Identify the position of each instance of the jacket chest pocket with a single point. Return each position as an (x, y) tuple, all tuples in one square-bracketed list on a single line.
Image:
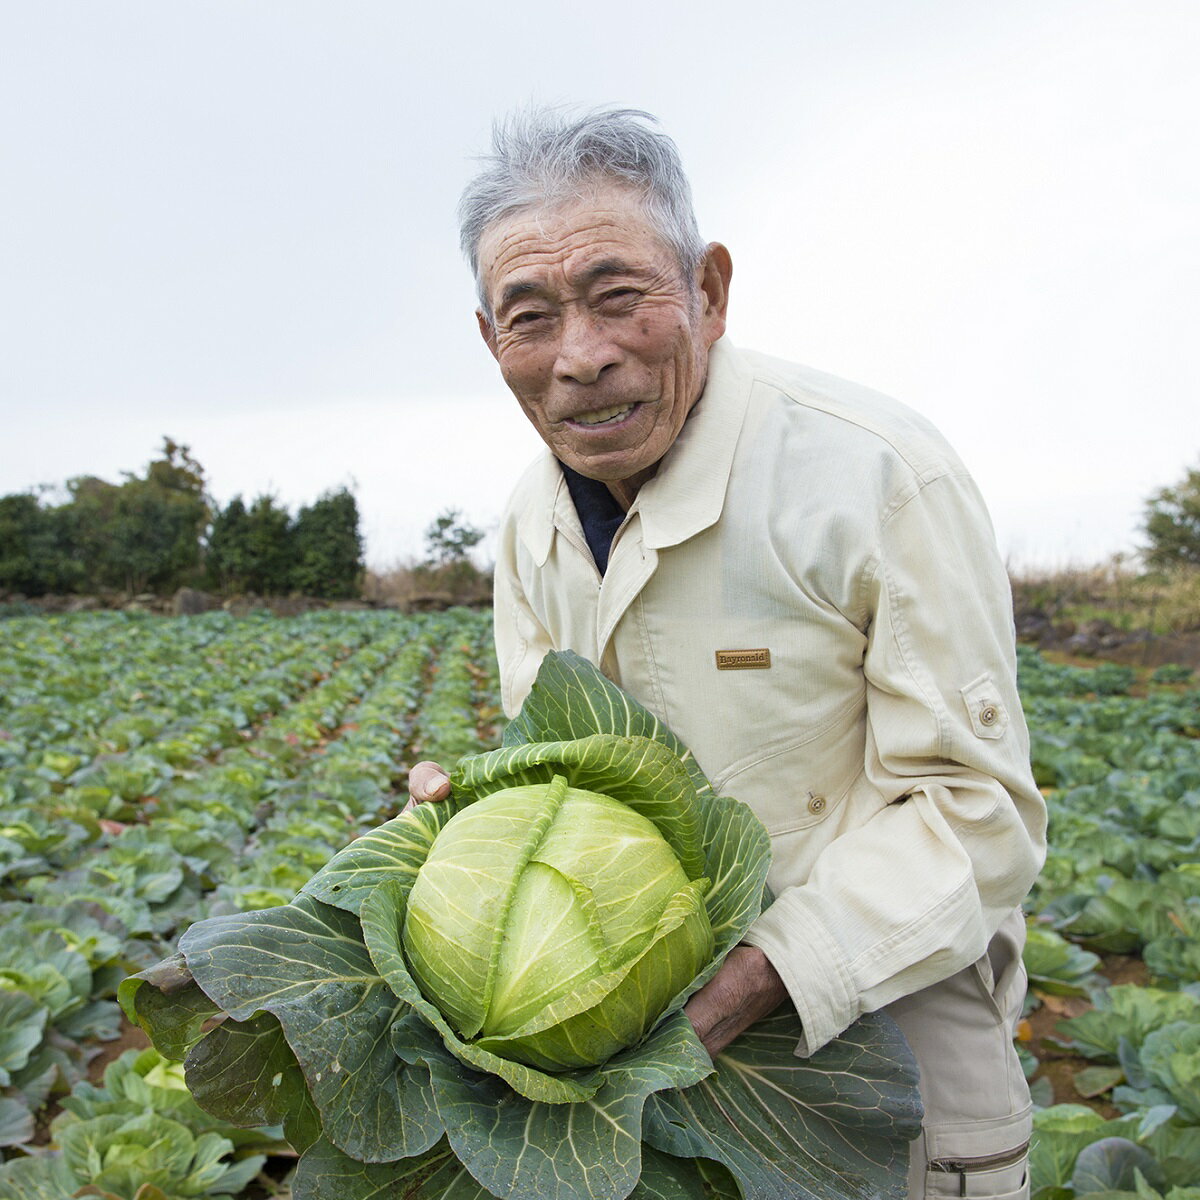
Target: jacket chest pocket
[(801, 780)]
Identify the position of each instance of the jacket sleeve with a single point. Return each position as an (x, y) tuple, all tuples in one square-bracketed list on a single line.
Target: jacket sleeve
[(915, 894)]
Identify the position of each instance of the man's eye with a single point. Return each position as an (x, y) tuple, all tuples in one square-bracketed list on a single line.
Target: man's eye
[(526, 318), (620, 295)]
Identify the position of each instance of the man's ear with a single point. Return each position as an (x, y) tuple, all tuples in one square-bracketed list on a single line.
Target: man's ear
[(487, 331), (713, 276)]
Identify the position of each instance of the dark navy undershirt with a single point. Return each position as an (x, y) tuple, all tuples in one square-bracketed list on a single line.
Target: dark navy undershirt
[(599, 513)]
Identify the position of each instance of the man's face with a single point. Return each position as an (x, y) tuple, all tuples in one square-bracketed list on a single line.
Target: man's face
[(597, 331)]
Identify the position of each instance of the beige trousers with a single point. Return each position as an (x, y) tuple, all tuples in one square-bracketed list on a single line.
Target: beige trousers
[(978, 1115)]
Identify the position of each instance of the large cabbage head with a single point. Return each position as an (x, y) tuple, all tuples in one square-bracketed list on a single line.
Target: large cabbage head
[(554, 925)]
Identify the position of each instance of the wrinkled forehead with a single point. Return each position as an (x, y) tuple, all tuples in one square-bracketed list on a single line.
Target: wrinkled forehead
[(568, 237)]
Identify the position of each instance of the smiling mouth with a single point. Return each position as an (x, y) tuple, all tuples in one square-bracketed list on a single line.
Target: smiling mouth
[(604, 416)]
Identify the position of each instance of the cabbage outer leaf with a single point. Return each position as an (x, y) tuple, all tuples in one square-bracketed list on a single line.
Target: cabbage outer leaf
[(831, 1127), (737, 858), (664, 1177), (245, 1073), (326, 1173), (571, 699), (169, 1005), (306, 964), (22, 1027), (16, 1122), (522, 1149), (394, 850), (1112, 1165), (46, 1177)]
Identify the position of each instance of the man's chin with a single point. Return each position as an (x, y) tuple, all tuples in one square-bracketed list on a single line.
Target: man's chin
[(622, 480), (597, 469)]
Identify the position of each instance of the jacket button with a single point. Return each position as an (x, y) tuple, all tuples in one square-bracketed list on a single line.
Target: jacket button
[(816, 804), (989, 714)]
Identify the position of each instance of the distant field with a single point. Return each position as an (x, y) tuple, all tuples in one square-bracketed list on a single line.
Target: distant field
[(157, 771)]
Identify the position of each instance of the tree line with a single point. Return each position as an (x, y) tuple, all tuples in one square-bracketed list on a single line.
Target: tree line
[(161, 531)]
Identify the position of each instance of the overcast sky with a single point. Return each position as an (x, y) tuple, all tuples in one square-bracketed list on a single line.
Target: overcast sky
[(233, 224)]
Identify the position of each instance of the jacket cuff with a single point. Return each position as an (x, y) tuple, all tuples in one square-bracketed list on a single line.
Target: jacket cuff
[(812, 968)]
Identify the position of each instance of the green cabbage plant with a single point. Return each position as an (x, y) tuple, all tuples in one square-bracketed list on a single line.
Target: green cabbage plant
[(484, 997), (122, 1156)]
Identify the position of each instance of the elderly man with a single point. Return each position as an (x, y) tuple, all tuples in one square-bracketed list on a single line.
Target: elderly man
[(799, 577)]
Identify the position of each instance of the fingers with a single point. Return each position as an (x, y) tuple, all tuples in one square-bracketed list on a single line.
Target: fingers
[(709, 1011), (427, 781), (745, 989), (703, 1016)]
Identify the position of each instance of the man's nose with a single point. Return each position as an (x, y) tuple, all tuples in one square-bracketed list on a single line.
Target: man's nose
[(585, 349)]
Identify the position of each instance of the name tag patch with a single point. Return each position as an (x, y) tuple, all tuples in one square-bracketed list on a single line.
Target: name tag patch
[(743, 660)]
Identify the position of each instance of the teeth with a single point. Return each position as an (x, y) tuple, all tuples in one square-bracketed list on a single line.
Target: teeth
[(605, 414)]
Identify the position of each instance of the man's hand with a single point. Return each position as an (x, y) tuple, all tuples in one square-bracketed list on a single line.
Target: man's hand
[(745, 989), (427, 781)]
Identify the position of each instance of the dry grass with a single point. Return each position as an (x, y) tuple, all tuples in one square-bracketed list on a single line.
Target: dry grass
[(1160, 602), (1164, 603), (414, 587)]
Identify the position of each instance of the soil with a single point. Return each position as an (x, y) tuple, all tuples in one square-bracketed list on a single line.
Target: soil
[(1101, 641), (1182, 648), (131, 1038), (1060, 1066)]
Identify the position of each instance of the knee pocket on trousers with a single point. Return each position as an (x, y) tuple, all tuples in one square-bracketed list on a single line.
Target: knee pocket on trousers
[(985, 1160), (1009, 1182)]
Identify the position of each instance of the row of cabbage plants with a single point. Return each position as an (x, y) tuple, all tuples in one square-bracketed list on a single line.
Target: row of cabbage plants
[(158, 771), (97, 883), (1118, 759)]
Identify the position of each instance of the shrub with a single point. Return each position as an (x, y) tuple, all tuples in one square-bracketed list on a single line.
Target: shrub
[(1172, 523)]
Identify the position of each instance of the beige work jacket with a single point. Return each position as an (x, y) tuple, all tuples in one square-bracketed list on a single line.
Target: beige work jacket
[(884, 746)]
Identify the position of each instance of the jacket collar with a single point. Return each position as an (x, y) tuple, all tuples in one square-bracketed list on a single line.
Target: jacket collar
[(686, 494)]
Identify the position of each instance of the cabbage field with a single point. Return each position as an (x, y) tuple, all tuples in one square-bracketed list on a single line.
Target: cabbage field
[(159, 771)]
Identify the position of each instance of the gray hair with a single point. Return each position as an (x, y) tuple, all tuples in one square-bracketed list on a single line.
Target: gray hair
[(541, 156)]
